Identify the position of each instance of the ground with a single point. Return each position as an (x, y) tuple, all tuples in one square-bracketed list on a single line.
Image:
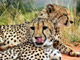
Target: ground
[(65, 57)]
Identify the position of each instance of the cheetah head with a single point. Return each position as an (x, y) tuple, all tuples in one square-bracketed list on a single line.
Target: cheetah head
[(42, 31), (59, 13)]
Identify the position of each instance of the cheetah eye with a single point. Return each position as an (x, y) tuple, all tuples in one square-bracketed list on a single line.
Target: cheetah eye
[(33, 28), (45, 27)]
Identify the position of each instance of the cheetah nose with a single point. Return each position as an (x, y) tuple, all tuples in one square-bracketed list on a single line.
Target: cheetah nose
[(36, 37)]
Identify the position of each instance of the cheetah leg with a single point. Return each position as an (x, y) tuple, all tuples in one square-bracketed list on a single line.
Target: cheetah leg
[(65, 49), (55, 55)]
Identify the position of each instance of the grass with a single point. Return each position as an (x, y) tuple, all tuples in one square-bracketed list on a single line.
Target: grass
[(7, 19), (18, 15)]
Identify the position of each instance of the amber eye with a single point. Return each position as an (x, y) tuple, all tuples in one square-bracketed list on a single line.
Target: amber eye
[(45, 27), (33, 28)]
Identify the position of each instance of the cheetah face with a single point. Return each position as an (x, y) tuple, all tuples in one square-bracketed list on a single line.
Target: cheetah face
[(41, 32), (59, 13)]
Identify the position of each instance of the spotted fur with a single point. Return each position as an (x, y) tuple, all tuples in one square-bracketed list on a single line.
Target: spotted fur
[(30, 51), (12, 35)]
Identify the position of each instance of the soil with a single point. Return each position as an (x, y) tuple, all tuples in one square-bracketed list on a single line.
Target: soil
[(66, 57)]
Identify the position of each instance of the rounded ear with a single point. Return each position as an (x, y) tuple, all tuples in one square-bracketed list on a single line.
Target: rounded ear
[(50, 8)]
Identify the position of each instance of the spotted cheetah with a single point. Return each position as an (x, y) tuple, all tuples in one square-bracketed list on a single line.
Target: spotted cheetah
[(42, 35)]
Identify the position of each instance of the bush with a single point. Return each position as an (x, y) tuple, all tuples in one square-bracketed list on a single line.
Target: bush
[(78, 6)]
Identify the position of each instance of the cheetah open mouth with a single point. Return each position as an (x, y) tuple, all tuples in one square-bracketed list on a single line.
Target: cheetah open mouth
[(39, 41)]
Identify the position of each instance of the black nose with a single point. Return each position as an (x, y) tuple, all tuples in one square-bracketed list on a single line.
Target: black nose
[(71, 22), (36, 37)]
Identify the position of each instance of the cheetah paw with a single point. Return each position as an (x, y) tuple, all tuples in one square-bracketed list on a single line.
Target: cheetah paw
[(55, 55)]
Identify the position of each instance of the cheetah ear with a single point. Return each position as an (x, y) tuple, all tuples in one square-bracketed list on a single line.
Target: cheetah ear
[(50, 8)]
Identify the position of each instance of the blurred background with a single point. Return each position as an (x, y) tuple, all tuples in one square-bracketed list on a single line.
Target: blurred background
[(17, 11)]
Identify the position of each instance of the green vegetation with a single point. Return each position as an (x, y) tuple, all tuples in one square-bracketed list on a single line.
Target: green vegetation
[(16, 12)]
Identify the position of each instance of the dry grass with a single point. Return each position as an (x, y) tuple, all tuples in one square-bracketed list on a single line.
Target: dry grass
[(72, 33)]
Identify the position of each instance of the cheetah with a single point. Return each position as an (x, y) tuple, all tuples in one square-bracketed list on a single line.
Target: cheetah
[(42, 35)]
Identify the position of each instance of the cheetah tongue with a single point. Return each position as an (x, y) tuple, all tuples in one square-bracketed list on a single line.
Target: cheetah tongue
[(39, 40)]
